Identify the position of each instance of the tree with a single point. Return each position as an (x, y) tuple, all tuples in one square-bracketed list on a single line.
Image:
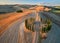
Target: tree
[(19, 11)]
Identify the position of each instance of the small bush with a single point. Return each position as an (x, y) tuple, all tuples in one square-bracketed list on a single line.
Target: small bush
[(29, 24), (19, 11)]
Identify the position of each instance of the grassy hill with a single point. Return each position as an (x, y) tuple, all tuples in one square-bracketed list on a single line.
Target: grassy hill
[(56, 10)]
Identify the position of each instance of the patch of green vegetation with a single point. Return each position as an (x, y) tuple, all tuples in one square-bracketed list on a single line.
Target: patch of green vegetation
[(19, 11), (29, 24), (48, 27), (55, 10)]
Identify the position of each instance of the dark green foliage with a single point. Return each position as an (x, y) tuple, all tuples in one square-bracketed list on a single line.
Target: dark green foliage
[(32, 28), (43, 29), (48, 27), (19, 11)]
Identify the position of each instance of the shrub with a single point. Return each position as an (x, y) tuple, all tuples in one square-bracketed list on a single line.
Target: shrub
[(29, 24), (19, 11)]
